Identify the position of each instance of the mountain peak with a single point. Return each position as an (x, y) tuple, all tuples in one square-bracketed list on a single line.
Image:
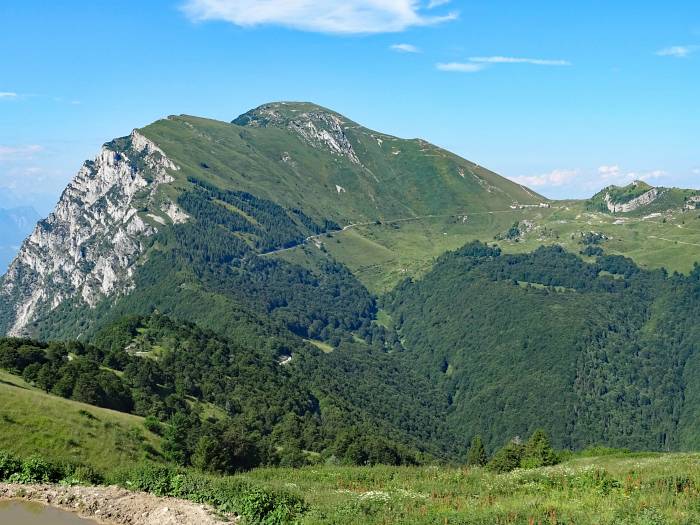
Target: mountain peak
[(280, 114)]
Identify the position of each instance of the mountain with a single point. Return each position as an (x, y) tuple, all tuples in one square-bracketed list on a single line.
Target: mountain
[(640, 197), (326, 291), (15, 225), (185, 197)]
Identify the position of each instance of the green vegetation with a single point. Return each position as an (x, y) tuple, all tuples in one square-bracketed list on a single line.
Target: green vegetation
[(67, 431), (227, 495), (226, 407), (612, 490), (591, 352)]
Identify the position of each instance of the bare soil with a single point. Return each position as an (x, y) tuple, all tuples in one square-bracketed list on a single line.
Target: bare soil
[(116, 506)]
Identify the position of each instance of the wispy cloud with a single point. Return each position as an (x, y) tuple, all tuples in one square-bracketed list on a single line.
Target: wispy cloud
[(613, 174), (518, 60), (475, 64), (677, 51), (586, 182), (609, 171), (437, 3), (460, 67), (557, 177), (19, 152), (8, 94), (329, 16), (404, 48)]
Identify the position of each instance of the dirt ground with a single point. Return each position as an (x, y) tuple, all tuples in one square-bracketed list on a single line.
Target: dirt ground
[(116, 506)]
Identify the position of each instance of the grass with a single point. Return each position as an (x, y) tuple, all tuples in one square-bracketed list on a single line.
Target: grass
[(649, 489), (35, 422), (324, 347), (382, 255)]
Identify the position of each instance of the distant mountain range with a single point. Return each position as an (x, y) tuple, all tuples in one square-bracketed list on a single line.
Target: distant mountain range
[(15, 225)]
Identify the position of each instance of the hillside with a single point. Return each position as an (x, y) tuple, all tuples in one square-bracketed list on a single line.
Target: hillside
[(36, 422), (599, 352), (288, 405), (639, 197)]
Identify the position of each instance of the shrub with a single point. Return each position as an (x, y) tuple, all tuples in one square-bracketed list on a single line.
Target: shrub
[(36, 469), (255, 504), (508, 458), (477, 454), (153, 425), (9, 465), (538, 452)]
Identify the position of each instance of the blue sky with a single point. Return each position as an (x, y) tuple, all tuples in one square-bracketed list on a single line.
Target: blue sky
[(563, 96)]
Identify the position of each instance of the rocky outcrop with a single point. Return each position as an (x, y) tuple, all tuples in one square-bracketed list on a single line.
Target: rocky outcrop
[(644, 199), (316, 126), (88, 246)]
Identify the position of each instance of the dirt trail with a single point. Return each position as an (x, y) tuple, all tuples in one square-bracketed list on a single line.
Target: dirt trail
[(116, 506)]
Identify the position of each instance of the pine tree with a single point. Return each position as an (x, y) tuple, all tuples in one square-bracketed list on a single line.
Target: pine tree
[(477, 454), (508, 458), (538, 451)]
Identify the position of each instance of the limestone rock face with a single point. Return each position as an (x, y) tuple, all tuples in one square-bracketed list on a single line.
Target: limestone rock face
[(86, 249), (644, 199)]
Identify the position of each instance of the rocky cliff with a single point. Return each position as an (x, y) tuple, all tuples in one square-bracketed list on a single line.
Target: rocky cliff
[(88, 246), (625, 207)]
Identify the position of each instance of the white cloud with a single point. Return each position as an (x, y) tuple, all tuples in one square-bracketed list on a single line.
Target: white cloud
[(609, 171), (437, 3), (516, 60), (613, 174), (557, 177), (404, 48), (19, 152), (323, 16), (460, 67), (7, 94), (677, 51)]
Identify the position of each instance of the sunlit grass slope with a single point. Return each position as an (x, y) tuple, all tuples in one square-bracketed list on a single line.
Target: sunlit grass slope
[(34, 422)]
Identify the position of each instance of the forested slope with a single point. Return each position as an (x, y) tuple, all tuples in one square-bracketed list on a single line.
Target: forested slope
[(593, 353)]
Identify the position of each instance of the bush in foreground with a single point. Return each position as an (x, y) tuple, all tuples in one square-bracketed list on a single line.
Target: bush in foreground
[(226, 494), (230, 495)]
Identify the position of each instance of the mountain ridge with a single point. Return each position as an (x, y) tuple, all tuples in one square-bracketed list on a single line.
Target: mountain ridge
[(311, 164)]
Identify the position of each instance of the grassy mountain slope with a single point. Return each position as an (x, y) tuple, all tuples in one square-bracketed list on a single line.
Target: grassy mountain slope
[(36, 422), (265, 153)]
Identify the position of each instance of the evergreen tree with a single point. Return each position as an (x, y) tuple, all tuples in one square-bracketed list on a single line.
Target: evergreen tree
[(508, 458), (477, 454), (538, 451)]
